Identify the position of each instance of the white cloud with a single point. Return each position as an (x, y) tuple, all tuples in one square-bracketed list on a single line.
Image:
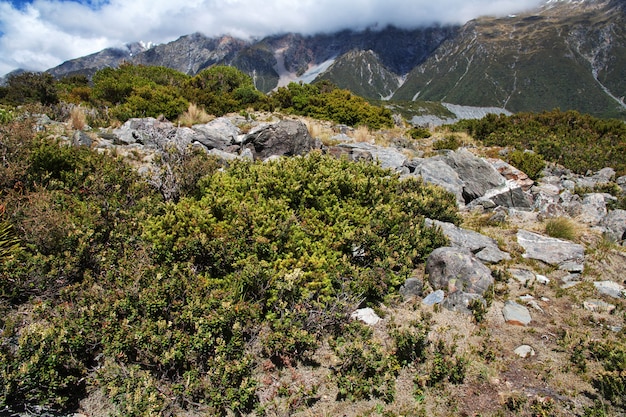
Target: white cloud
[(45, 33)]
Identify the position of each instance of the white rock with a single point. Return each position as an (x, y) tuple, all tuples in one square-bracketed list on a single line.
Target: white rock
[(524, 351), (366, 315)]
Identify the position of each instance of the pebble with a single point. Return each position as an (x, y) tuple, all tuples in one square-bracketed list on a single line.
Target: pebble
[(524, 351)]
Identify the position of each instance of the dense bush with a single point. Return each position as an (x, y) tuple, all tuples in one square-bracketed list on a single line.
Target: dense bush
[(324, 101), (273, 254), (577, 141)]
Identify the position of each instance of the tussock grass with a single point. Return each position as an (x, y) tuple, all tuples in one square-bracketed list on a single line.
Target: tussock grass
[(194, 115), (362, 134), (78, 118), (561, 228)]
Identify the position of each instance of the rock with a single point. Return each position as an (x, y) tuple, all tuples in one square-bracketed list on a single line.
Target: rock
[(217, 134), (524, 351), (523, 276), (459, 301), (542, 279), (604, 175), (145, 131), (485, 248), (457, 269), (80, 138), (435, 297), (366, 315), (508, 195), (477, 174), (511, 173), (610, 288), (615, 224), (387, 157), (516, 314), (412, 287), (350, 153), (287, 137), (598, 306), (566, 255), (436, 171), (593, 209)]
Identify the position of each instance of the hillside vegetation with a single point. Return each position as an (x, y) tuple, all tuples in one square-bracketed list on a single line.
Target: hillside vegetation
[(234, 298)]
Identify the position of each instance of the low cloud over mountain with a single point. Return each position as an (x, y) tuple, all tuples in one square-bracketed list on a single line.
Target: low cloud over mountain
[(40, 34)]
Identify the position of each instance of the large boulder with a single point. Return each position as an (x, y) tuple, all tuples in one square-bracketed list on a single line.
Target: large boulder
[(217, 134), (477, 174), (386, 157), (146, 131), (435, 171), (615, 225), (287, 137), (566, 255), (455, 269)]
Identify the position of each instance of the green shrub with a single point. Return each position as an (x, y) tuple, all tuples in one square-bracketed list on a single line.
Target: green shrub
[(611, 381), (419, 133), (365, 370), (451, 142), (411, 343), (530, 163)]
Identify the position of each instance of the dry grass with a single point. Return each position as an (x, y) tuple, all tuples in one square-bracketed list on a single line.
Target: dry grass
[(320, 130), (194, 115), (78, 119), (362, 134)]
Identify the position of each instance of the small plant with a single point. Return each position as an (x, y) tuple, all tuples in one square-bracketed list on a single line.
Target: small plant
[(411, 343), (532, 164), (450, 141), (5, 116), (419, 133), (561, 228)]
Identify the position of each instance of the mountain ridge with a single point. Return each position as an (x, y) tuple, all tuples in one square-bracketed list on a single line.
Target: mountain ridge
[(565, 54)]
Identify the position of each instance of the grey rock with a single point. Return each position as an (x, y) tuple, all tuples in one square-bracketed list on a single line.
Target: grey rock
[(287, 137), (80, 138), (387, 157), (477, 174), (566, 255), (509, 195), (516, 314), (436, 171), (457, 269), (485, 248), (353, 154), (604, 175), (217, 134), (615, 224), (598, 306), (511, 173), (610, 288), (147, 131), (523, 276), (593, 209), (433, 298), (412, 287), (459, 301)]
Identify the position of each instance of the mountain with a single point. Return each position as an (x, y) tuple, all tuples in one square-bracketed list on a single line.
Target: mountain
[(567, 54)]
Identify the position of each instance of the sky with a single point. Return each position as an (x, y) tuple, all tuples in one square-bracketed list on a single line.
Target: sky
[(36, 35)]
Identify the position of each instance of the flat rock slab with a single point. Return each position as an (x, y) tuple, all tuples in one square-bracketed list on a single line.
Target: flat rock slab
[(610, 288), (485, 248), (516, 314), (566, 255)]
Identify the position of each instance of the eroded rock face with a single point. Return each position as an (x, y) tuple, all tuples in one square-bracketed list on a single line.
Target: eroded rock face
[(455, 269), (566, 255), (287, 137)]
